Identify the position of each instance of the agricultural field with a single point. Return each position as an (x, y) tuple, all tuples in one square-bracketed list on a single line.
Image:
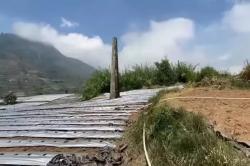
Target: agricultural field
[(227, 110), (125, 83), (33, 132)]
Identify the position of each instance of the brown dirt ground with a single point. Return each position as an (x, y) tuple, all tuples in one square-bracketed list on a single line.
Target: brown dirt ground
[(230, 117)]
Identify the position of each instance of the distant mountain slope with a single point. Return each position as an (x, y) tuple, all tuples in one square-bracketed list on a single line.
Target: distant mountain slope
[(33, 67)]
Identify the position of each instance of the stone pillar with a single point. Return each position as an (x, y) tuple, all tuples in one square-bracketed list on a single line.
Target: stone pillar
[(114, 83)]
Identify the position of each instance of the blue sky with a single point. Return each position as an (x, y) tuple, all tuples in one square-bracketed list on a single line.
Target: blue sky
[(107, 18), (204, 32)]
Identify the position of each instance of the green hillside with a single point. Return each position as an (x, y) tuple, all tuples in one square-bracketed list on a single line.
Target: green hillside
[(34, 68)]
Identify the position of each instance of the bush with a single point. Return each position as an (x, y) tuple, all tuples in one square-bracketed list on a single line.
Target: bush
[(177, 137), (97, 84), (208, 72), (138, 77), (185, 72), (245, 73), (165, 74), (10, 98), (239, 83), (215, 82)]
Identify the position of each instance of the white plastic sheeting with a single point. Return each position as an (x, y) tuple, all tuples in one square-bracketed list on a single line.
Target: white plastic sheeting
[(24, 102), (25, 158), (94, 123)]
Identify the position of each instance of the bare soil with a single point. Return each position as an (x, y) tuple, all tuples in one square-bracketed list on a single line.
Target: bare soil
[(229, 116)]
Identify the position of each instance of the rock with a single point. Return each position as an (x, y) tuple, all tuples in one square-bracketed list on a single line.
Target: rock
[(104, 157), (62, 160)]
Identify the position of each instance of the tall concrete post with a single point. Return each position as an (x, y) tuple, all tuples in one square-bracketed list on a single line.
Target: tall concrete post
[(114, 83)]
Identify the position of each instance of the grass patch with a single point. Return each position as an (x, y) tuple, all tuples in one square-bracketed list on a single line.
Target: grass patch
[(178, 138)]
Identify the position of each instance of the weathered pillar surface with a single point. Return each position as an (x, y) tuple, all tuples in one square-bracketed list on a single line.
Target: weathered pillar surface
[(114, 84)]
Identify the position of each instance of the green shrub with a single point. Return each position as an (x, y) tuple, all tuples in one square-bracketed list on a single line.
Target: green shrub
[(245, 73), (176, 137), (225, 74), (138, 77), (97, 84), (185, 72), (207, 72), (215, 82), (165, 74), (239, 83), (10, 98)]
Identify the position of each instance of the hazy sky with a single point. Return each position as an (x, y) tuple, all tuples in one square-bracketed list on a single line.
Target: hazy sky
[(204, 32)]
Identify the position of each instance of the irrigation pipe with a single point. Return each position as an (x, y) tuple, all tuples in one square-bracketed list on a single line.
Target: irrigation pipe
[(144, 146)]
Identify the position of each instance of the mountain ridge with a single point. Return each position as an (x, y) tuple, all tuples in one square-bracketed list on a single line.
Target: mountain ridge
[(31, 67)]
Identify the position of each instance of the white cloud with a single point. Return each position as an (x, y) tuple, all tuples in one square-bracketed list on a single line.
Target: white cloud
[(235, 69), (67, 23), (238, 18), (91, 50), (162, 39), (224, 57), (223, 44), (226, 42)]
